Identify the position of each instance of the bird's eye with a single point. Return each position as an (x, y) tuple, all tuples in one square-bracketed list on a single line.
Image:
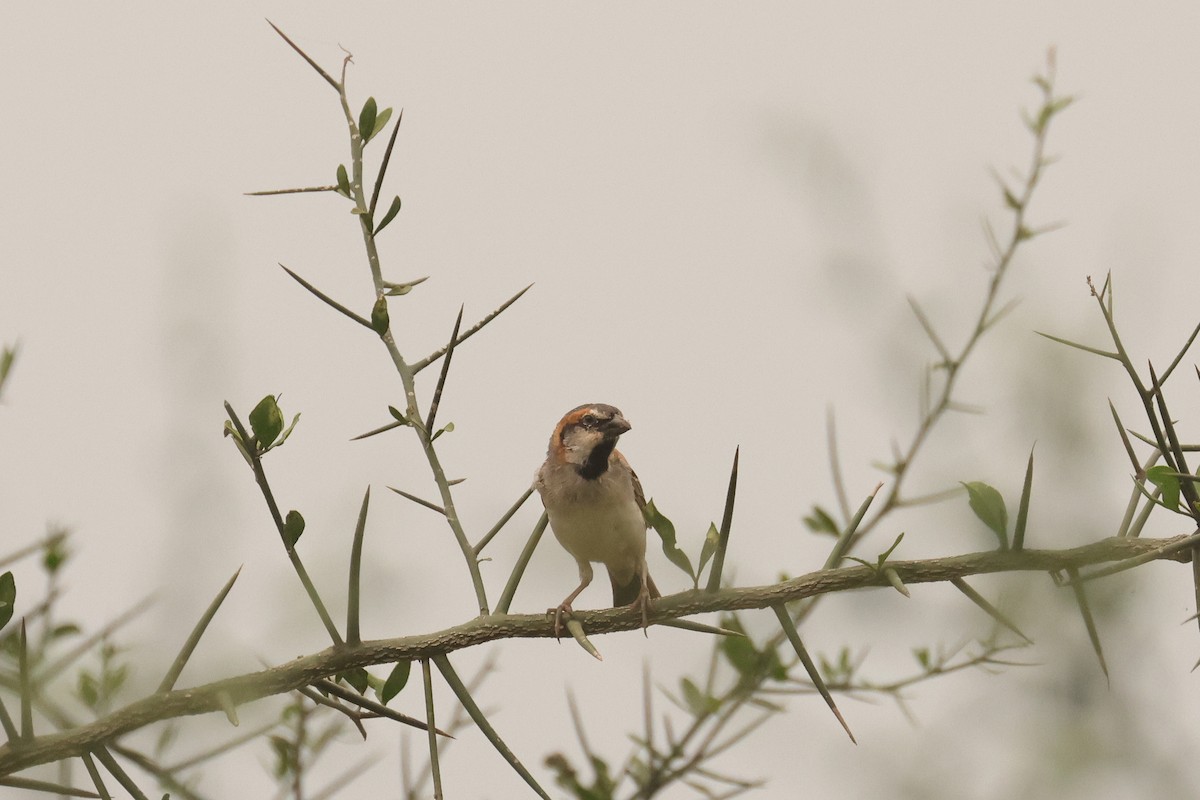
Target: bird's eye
[(588, 420)]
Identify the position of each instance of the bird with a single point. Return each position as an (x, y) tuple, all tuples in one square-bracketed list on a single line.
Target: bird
[(595, 505)]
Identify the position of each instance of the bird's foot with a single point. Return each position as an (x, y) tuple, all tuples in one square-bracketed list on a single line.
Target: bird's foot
[(642, 603), (559, 613)]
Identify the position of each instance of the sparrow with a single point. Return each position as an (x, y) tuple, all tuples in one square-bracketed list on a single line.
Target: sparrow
[(595, 505)]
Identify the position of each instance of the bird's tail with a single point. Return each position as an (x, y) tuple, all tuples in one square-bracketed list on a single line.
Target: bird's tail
[(628, 593)]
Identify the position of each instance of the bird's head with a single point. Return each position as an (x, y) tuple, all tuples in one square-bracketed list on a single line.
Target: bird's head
[(586, 436)]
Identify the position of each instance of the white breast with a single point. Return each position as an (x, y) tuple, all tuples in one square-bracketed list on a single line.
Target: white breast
[(595, 520)]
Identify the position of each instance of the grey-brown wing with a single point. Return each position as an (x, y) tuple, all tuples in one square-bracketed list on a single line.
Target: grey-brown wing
[(638, 494)]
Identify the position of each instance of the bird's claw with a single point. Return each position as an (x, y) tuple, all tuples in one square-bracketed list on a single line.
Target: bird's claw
[(642, 603)]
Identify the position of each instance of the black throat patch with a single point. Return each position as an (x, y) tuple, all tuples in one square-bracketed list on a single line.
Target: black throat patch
[(597, 461)]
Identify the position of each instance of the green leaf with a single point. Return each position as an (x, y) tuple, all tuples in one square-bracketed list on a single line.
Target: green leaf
[(397, 289), (357, 678), (114, 679), (89, 690), (54, 554), (666, 531), (366, 119), (64, 630), (738, 650), (819, 521), (343, 181), (392, 211), (449, 428), (283, 438), (1165, 479), (285, 756), (922, 656), (8, 597), (6, 362), (395, 681), (379, 316), (697, 701), (398, 415), (745, 657), (886, 554), (988, 505), (381, 122), (710, 545), (293, 528), (266, 420)]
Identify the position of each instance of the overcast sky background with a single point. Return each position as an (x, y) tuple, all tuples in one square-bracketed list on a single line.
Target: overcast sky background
[(722, 208)]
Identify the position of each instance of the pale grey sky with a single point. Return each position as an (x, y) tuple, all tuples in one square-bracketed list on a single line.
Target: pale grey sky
[(722, 208)]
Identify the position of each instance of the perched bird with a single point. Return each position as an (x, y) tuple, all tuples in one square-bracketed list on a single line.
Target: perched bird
[(595, 503)]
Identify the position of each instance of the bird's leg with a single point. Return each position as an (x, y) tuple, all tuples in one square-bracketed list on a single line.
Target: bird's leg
[(585, 578), (643, 600)]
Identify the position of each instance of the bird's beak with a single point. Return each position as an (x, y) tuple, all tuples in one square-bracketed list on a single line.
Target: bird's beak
[(616, 426)]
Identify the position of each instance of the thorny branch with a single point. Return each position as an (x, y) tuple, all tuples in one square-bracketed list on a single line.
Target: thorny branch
[(308, 669)]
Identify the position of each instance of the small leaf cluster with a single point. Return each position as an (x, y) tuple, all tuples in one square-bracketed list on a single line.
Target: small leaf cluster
[(670, 546), (97, 690), (266, 427)]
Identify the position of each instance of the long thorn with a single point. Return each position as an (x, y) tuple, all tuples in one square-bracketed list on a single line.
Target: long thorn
[(419, 501), (481, 722), (1078, 346), (1137, 470), (45, 786), (387, 157), (168, 681), (698, 627), (500, 523), (995, 613), (339, 691), (94, 773), (1179, 357), (434, 765), (718, 562), (425, 362), (354, 592), (835, 466), (514, 579), (1023, 508), (437, 392), (328, 78), (814, 675), (104, 757), (927, 326), (304, 190), (329, 300), (25, 684), (384, 429), (1186, 487), (846, 537), (1088, 620)]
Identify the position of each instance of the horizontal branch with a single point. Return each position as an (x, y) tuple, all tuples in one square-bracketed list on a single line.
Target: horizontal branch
[(299, 672)]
